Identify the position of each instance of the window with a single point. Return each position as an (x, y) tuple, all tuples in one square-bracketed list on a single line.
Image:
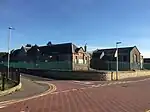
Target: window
[(57, 58), (81, 61), (85, 58), (124, 58), (135, 60), (85, 61), (76, 59)]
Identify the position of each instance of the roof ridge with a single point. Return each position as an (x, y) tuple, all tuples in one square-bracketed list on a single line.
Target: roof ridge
[(56, 44), (115, 48)]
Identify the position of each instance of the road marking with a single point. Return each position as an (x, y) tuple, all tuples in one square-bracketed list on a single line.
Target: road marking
[(114, 83), (90, 87), (97, 85), (6, 102), (3, 106), (83, 83), (104, 85), (124, 82), (83, 88), (74, 89), (65, 91), (77, 81), (51, 89), (109, 84)]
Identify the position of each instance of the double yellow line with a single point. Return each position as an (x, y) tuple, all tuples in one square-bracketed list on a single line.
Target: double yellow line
[(51, 89)]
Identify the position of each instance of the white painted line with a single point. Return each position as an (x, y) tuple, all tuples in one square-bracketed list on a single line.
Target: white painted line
[(124, 82), (6, 102), (90, 87), (87, 82), (65, 91), (77, 81), (115, 83), (109, 84), (104, 85), (83, 88), (97, 85), (3, 106), (118, 82), (93, 85), (83, 84), (74, 89), (128, 81)]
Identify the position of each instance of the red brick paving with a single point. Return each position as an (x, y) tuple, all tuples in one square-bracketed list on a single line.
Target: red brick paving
[(62, 85), (134, 97), (135, 78)]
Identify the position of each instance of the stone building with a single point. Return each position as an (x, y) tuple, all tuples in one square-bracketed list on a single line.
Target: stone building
[(129, 58), (56, 56)]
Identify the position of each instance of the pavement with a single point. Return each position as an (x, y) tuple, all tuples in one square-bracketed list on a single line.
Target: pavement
[(132, 95), (29, 88)]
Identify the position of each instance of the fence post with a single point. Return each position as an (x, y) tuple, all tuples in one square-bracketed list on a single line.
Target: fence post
[(3, 81), (17, 76)]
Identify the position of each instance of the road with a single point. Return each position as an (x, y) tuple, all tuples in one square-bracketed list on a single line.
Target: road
[(29, 88), (93, 96)]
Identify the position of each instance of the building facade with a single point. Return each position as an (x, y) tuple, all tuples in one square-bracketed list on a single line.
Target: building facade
[(66, 56), (146, 63), (129, 58)]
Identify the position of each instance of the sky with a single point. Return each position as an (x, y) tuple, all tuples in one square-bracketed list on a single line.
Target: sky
[(99, 23)]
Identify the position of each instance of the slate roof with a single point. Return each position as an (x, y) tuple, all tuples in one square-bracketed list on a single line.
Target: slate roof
[(146, 60), (77, 49), (64, 48), (111, 51), (17, 51)]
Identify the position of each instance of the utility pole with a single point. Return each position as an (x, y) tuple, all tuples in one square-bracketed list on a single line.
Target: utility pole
[(9, 37), (117, 59)]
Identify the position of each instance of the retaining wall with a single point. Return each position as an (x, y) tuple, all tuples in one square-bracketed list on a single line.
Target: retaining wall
[(85, 75), (128, 74), (68, 75)]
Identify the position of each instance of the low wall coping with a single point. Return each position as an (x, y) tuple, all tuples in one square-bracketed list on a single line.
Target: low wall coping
[(11, 90)]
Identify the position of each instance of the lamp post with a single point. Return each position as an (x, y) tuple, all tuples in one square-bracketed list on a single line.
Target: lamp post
[(117, 43), (9, 37)]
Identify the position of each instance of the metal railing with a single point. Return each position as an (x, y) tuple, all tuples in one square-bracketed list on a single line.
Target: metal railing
[(7, 81), (111, 66)]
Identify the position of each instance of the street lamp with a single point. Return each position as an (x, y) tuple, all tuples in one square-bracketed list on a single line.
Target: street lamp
[(9, 37), (117, 43)]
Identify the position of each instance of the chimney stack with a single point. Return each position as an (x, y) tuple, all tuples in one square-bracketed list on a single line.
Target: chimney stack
[(85, 47)]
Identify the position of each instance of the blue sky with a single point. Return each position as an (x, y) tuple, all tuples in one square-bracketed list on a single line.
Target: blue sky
[(99, 23)]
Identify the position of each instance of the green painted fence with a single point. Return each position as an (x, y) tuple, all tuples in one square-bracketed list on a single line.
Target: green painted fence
[(121, 65), (63, 65), (146, 66)]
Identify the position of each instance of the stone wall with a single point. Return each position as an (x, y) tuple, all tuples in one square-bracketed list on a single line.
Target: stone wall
[(68, 75), (127, 74), (80, 66), (85, 75)]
